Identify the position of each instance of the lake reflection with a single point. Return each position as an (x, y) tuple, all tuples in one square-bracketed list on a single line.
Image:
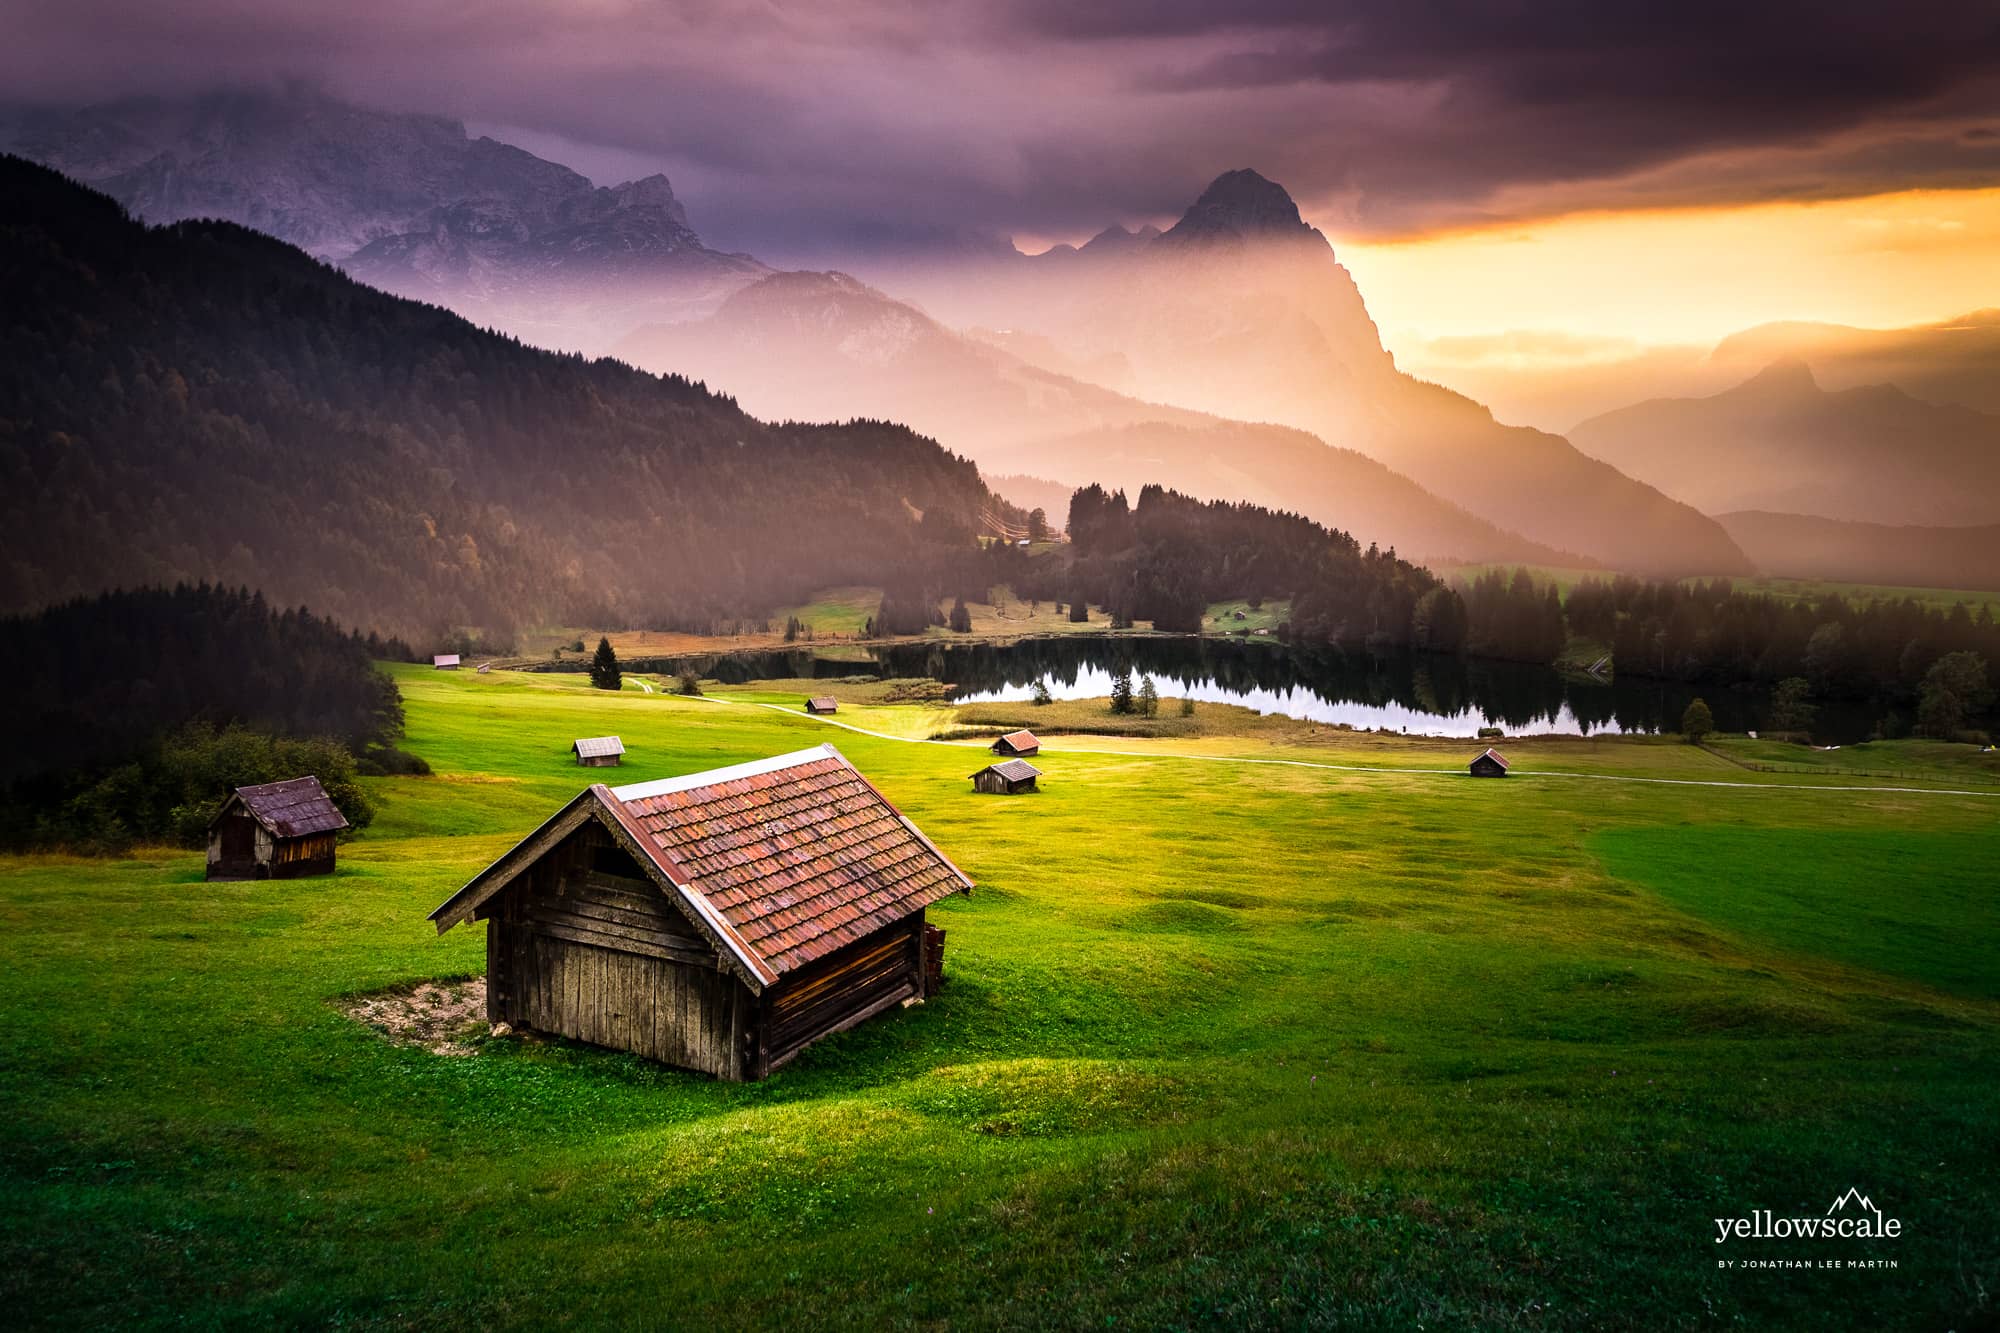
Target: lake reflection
[(1421, 693), (1299, 701)]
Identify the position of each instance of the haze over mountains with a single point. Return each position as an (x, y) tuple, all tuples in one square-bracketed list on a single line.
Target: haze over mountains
[(1782, 443), (1230, 355), (819, 346), (407, 203), (203, 402), (1238, 310)]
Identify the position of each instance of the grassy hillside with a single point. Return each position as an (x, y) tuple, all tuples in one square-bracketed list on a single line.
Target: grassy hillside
[(1298, 1046)]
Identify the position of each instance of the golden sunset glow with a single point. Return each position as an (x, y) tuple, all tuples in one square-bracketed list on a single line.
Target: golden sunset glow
[(1690, 275)]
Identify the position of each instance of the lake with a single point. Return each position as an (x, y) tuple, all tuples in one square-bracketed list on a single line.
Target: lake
[(1419, 693)]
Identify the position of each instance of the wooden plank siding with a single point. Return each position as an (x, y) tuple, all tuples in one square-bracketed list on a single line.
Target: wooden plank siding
[(294, 858), (603, 957), (842, 989)]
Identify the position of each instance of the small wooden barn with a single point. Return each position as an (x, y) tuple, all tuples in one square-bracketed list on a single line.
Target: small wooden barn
[(1006, 779), (1492, 764), (824, 703), (1017, 744), (720, 922), (444, 662), (280, 830), (598, 751)]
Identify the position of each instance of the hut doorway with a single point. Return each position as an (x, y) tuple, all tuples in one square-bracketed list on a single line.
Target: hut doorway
[(239, 846)]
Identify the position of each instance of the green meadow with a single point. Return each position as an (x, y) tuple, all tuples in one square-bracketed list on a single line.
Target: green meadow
[(1341, 1040)]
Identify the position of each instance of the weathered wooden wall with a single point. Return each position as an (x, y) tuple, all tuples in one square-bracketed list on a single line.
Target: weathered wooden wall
[(295, 858), (267, 857), (598, 761), (583, 948), (986, 780), (840, 990)]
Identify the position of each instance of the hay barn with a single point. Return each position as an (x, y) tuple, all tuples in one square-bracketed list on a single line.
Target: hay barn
[(720, 922), (280, 830), (1008, 779), (824, 703), (444, 662), (1492, 764), (598, 751), (1017, 744)]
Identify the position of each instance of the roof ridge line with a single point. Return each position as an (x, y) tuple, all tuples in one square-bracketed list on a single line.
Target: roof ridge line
[(715, 777)]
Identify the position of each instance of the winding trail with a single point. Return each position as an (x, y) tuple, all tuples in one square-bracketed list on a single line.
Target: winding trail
[(1366, 768)]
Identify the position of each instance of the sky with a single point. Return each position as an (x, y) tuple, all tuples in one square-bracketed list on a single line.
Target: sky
[(1591, 168)]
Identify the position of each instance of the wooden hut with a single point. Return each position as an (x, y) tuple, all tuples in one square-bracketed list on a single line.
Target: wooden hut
[(1492, 764), (1017, 745), (280, 830), (444, 662), (1006, 779), (825, 703), (598, 751), (721, 921)]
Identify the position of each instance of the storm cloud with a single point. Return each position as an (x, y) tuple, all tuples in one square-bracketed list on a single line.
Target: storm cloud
[(802, 132)]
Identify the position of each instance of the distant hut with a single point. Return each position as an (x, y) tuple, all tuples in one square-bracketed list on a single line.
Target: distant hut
[(1017, 744), (1008, 779), (720, 922), (1492, 764), (485, 667), (444, 662), (825, 703), (598, 751), (280, 830)]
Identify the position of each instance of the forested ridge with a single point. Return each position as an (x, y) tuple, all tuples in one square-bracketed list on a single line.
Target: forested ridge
[(199, 401), (1165, 558), (133, 713)]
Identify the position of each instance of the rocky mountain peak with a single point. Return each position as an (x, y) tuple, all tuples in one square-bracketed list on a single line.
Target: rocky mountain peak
[(1786, 377), (1241, 204), (652, 191)]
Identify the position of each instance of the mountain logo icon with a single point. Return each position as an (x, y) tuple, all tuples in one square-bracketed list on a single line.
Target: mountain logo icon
[(1854, 1195)]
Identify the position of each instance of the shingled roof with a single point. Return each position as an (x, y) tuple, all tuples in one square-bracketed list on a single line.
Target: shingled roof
[(1014, 770), (1021, 740), (292, 808), (596, 747), (1496, 757), (780, 861)]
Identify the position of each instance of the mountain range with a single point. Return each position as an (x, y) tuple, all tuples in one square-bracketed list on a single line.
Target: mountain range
[(1242, 310), (1780, 442), (821, 346), (1229, 355), (408, 203), (202, 402)]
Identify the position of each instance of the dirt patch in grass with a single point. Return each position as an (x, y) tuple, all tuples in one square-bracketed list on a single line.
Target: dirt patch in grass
[(442, 1017)]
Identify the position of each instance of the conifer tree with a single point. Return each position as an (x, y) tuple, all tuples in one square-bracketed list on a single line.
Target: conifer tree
[(604, 673), (1149, 698), (1121, 691)]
